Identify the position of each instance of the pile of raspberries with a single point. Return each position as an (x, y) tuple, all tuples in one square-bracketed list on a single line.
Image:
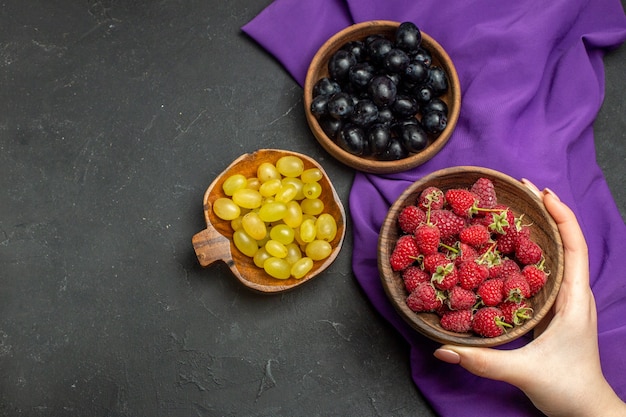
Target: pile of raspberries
[(469, 259)]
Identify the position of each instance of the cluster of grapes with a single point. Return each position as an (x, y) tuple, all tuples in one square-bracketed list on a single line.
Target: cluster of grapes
[(278, 218), (382, 97)]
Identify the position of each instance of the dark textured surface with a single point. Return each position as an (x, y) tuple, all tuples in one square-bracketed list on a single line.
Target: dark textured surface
[(114, 118)]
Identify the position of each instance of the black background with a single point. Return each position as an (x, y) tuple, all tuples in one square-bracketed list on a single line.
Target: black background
[(114, 118)]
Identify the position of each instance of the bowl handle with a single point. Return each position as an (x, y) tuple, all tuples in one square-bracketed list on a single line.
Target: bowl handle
[(211, 246)]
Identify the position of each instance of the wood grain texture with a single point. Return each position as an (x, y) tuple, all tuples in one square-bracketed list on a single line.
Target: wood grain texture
[(509, 192), (319, 68), (215, 242)]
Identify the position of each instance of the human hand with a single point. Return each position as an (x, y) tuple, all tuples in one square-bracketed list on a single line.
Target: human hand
[(560, 369)]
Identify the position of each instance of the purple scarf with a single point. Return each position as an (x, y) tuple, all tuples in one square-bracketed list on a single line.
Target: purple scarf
[(532, 83)]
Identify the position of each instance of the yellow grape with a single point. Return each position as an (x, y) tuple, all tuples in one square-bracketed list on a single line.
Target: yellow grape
[(290, 166), (293, 215), (267, 171), (325, 227), (318, 250), (260, 256), (286, 193), (278, 268), (270, 187), (247, 198), (296, 182), (307, 230), (272, 211), (301, 267), (253, 225), (312, 206), (245, 243), (282, 233), (253, 183), (234, 183), (308, 216), (293, 253), (311, 175), (278, 217), (297, 238), (226, 209), (276, 249), (236, 223), (262, 242), (312, 190)]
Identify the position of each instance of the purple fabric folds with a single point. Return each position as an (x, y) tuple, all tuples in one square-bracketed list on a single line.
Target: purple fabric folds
[(532, 83)]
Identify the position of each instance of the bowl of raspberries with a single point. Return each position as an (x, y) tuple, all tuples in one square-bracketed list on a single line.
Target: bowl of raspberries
[(382, 96), (470, 256)]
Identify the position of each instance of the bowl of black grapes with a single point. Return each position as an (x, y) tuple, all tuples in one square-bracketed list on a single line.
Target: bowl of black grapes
[(382, 96)]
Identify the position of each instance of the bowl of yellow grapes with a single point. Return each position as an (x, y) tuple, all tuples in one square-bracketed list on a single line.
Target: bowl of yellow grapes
[(274, 218)]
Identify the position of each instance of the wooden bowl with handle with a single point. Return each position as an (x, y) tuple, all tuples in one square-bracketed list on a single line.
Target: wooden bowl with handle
[(509, 192), (319, 69), (215, 243)]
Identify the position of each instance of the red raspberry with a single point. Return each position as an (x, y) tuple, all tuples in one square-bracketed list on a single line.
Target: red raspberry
[(412, 276), (449, 224), (495, 269), (499, 221), (472, 274), (516, 313), (527, 251), (410, 217), (489, 322), (442, 310), (431, 197), (506, 241), (463, 202), (504, 268), (449, 241), (424, 298), (460, 298), (536, 278), (489, 255), (432, 261), (466, 253), (515, 288), (523, 232), (404, 253), (490, 291), (475, 235), (485, 191), (459, 321), (445, 277), (427, 239)]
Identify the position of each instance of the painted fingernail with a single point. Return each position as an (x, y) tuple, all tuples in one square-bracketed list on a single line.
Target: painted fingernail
[(552, 193), (529, 184), (448, 356), (532, 187)]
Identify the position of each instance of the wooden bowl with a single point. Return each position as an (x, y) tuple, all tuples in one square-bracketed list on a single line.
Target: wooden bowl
[(319, 68), (510, 192), (215, 242)]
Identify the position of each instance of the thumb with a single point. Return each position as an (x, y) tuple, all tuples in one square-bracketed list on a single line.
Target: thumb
[(483, 362)]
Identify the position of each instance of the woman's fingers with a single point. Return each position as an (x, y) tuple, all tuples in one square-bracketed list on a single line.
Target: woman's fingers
[(575, 283), (574, 243), (571, 234), (532, 187), (489, 363)]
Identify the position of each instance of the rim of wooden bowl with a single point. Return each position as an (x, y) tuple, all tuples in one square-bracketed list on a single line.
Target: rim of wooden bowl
[(242, 266), (509, 191), (319, 68)]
